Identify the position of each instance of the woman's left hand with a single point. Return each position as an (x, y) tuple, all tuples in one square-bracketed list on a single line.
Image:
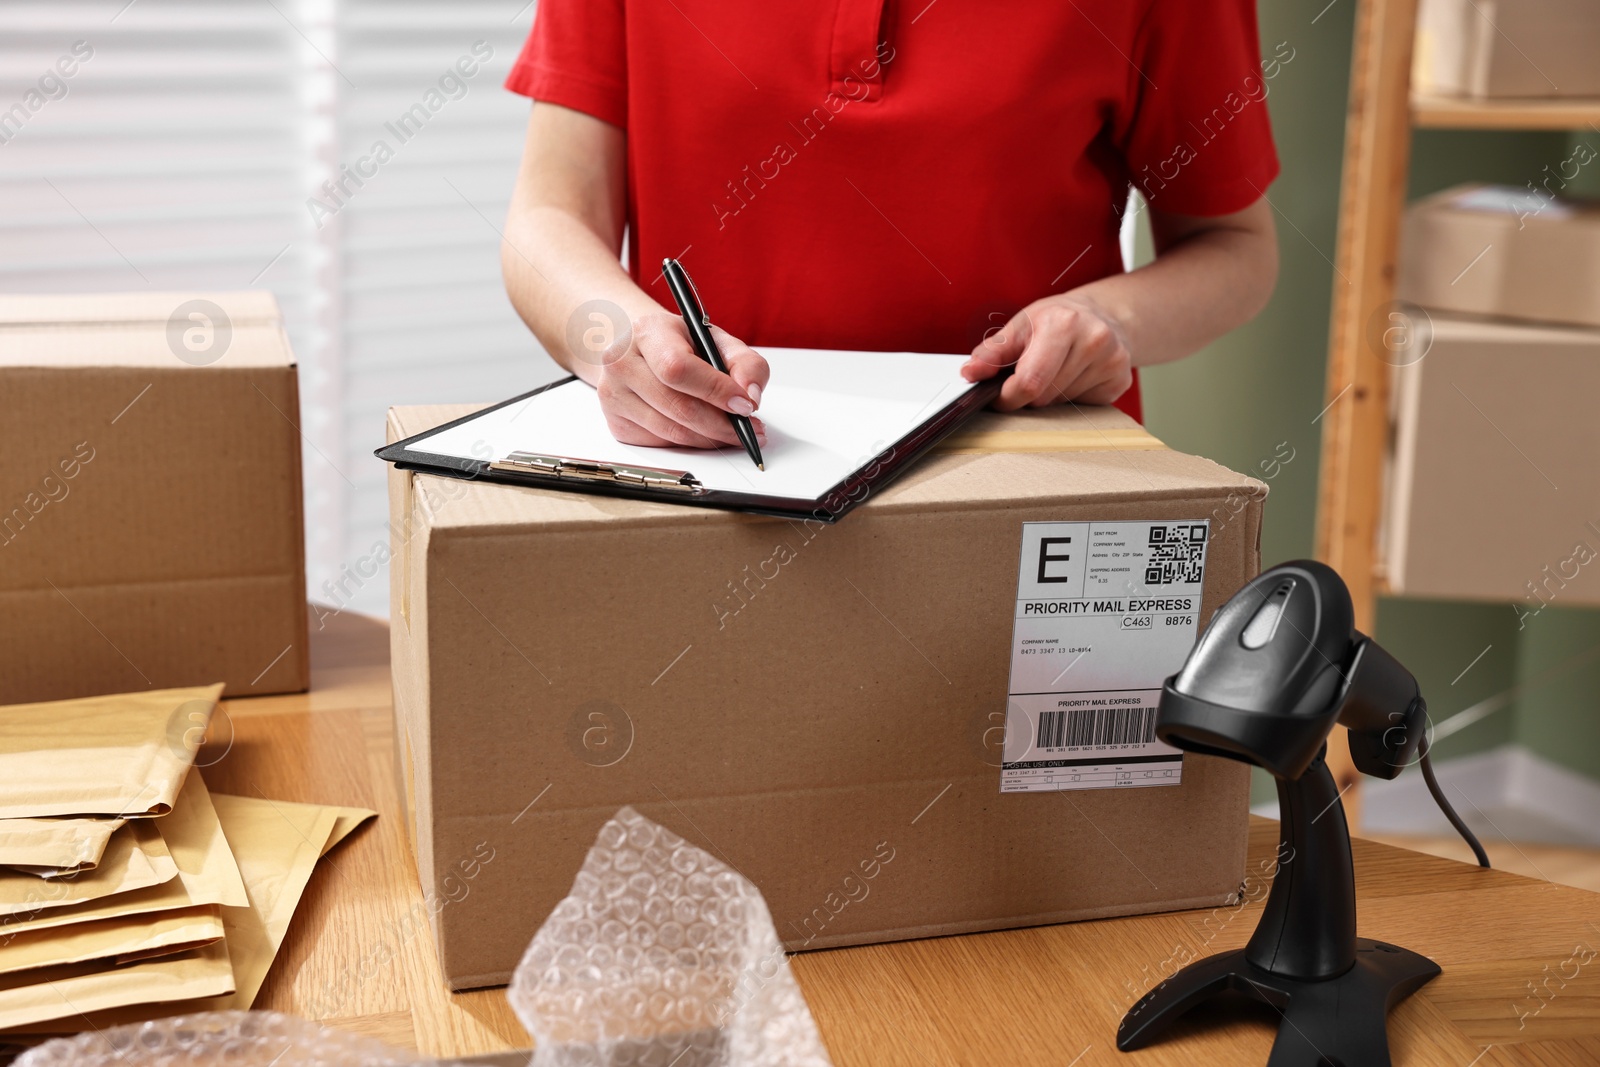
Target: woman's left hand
[(1064, 347)]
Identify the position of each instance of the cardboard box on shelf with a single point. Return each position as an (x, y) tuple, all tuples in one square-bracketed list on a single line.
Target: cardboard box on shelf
[(150, 511), (1498, 250), (1493, 488), (825, 707), (1513, 48)]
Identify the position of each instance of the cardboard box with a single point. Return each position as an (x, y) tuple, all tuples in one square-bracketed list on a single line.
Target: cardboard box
[(1497, 250), (150, 512), (820, 705), (1494, 49), (1494, 490)]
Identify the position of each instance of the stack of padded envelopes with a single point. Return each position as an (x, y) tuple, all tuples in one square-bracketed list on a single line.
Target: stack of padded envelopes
[(127, 889)]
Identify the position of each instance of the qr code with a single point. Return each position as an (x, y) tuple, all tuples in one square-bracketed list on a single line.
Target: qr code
[(1176, 555)]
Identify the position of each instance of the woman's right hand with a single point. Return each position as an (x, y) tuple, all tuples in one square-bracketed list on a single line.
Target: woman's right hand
[(657, 391)]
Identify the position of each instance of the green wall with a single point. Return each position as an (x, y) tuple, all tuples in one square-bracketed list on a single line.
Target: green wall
[(1237, 400)]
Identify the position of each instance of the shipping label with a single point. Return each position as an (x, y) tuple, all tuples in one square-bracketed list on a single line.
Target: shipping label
[(1106, 611)]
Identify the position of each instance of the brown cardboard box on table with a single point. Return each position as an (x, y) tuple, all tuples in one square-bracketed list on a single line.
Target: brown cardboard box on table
[(1511, 48), (150, 512), (822, 706), (1494, 490), (1499, 250)]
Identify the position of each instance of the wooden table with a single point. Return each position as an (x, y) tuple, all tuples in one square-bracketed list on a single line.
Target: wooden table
[(1521, 980)]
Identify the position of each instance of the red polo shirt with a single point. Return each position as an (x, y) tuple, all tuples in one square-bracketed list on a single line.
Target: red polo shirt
[(864, 174)]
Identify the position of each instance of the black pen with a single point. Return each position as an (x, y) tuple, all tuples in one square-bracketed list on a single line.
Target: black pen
[(699, 323)]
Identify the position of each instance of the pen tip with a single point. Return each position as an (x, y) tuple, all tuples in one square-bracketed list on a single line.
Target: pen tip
[(761, 466)]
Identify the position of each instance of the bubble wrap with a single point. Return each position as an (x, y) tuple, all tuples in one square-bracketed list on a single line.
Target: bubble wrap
[(661, 955), (230, 1038)]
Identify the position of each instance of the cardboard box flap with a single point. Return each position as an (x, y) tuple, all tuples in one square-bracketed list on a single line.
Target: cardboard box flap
[(246, 305), (1083, 452), (172, 330)]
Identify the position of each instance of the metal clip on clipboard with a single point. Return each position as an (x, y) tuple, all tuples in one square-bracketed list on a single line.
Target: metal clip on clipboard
[(589, 470)]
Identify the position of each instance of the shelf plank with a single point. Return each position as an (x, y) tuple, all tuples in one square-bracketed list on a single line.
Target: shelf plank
[(1453, 113)]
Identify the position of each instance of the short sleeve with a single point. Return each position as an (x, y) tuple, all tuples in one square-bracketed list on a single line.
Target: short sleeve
[(1197, 140), (577, 57)]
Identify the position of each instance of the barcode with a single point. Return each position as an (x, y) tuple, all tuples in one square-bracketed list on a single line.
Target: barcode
[(1083, 727), (1176, 554)]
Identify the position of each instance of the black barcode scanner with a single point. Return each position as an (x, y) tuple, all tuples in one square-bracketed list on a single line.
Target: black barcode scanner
[(1276, 668), (1278, 665)]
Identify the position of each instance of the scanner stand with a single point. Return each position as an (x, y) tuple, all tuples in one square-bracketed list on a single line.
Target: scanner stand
[(1332, 990)]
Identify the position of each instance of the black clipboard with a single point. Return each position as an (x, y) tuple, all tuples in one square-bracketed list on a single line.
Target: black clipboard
[(586, 475)]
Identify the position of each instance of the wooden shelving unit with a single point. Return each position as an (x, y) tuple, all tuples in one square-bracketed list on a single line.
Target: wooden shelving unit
[(1381, 117)]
